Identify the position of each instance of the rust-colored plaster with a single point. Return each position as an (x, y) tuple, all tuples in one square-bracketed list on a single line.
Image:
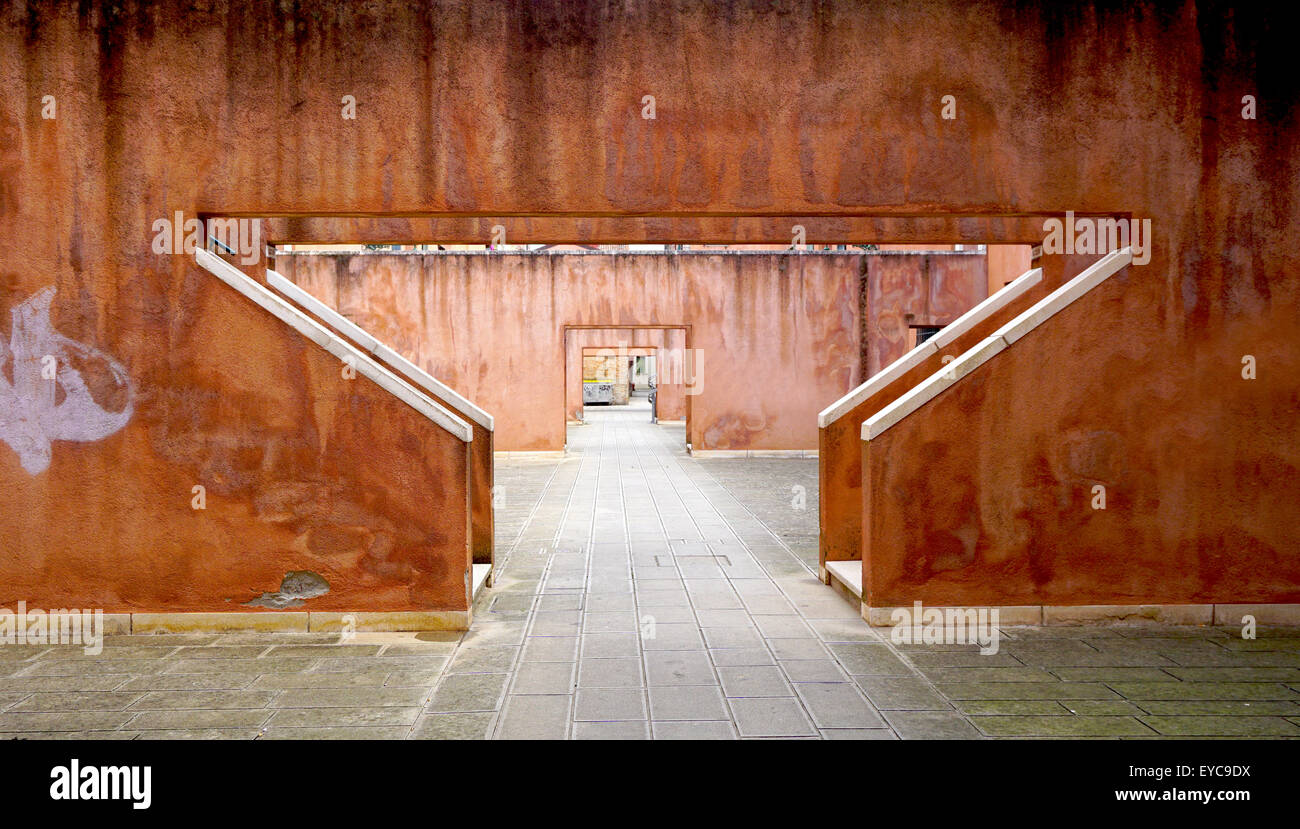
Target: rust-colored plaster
[(301, 469), (1009, 516), (840, 453), (907, 291), (482, 522)]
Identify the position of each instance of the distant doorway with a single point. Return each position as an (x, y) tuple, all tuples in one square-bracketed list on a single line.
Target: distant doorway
[(617, 378), (612, 370)]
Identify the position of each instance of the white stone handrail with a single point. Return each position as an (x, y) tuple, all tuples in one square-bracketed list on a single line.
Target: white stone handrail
[(1000, 340), (334, 344), (382, 352), (918, 355)]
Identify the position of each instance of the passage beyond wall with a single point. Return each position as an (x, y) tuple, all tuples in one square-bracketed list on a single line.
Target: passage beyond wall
[(773, 337)]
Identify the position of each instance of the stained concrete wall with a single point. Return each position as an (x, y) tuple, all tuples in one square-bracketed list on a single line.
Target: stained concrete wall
[(840, 491), (529, 115), (1013, 516), (494, 327), (907, 290)]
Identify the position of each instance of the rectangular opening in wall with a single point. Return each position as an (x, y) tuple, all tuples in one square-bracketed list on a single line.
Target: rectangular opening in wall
[(918, 334), (745, 343)]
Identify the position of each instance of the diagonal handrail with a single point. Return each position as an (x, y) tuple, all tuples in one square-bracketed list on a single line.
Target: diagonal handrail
[(364, 364), (998, 342), (379, 350), (946, 335)]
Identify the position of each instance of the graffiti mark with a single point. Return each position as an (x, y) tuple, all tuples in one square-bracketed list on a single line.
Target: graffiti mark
[(42, 399)]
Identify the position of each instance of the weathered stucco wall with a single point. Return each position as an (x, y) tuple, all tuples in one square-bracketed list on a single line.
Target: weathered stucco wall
[(840, 496), (515, 112), (493, 327), (235, 402), (916, 290), (1012, 517)]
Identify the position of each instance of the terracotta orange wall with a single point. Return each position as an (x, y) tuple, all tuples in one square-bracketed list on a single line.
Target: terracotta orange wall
[(302, 470), (792, 321), (840, 496), (916, 290), (667, 344), (492, 326), (1006, 262), (234, 109), (999, 508)]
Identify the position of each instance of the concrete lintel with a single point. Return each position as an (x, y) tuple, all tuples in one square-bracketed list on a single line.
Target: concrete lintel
[(1001, 299), (876, 382), (1063, 296), (1004, 337), (929, 388)]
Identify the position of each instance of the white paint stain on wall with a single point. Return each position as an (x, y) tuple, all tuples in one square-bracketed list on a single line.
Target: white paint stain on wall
[(44, 400)]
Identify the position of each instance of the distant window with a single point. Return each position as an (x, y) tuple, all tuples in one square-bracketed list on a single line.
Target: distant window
[(925, 332)]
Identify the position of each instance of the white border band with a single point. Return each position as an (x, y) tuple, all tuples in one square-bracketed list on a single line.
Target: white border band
[(385, 354)]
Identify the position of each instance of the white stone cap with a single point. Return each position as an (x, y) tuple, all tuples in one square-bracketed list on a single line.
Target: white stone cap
[(385, 354), (918, 355), (1000, 340), (334, 344)]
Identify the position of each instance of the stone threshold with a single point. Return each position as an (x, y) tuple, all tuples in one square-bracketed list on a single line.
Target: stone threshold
[(528, 453), (1164, 614), (754, 453), (482, 577), (284, 621), (845, 577)]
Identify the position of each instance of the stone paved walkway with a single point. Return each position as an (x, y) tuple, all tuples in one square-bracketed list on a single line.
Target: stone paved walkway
[(643, 593)]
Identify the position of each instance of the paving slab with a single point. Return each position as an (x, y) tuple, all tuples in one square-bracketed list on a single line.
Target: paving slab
[(640, 593)]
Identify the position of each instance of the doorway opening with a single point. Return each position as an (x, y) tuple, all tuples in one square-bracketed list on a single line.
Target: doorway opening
[(638, 371), (621, 378)]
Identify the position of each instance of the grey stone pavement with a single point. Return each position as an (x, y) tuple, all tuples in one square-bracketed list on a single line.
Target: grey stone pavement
[(643, 593)]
